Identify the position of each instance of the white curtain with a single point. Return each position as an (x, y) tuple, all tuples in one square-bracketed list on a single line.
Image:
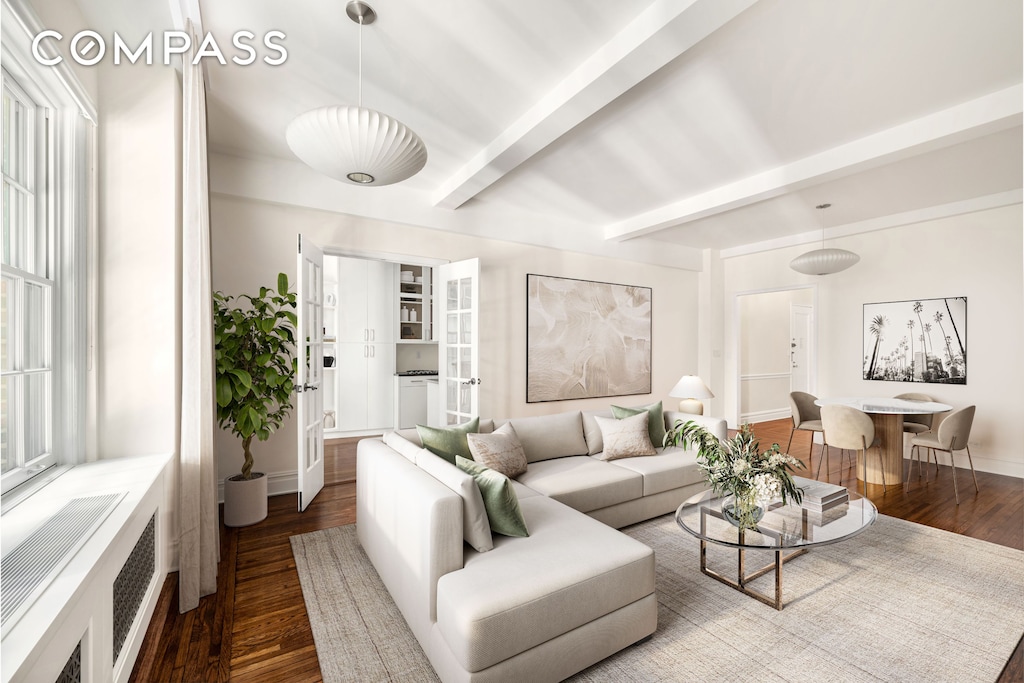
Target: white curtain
[(199, 543)]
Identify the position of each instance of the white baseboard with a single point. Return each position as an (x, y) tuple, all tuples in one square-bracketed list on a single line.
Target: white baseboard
[(278, 484), (766, 415)]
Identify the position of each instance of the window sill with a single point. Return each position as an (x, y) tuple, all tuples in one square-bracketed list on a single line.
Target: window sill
[(71, 607)]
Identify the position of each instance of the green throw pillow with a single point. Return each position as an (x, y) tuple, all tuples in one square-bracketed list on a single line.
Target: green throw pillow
[(449, 442), (500, 501), (655, 424)]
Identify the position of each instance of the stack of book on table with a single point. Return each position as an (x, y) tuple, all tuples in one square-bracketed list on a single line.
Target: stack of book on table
[(820, 497)]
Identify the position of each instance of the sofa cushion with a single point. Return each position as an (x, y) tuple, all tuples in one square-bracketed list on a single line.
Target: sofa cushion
[(715, 425), (408, 449), (655, 423), (500, 450), (500, 499), (583, 483), (625, 438), (448, 442), (551, 436), (670, 469), (476, 528), (571, 570), (592, 433)]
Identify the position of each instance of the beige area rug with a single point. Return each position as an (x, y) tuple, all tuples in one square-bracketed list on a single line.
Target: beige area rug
[(900, 602)]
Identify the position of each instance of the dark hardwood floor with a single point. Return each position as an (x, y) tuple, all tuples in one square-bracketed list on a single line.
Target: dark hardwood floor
[(256, 628)]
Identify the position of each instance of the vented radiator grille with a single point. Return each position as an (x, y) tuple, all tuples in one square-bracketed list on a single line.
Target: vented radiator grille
[(72, 672), (25, 571), (131, 584)]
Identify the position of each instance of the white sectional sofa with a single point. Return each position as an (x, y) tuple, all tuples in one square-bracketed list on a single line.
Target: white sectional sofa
[(536, 608)]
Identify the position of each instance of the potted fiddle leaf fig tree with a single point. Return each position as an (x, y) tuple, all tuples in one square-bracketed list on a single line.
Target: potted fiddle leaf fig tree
[(254, 342)]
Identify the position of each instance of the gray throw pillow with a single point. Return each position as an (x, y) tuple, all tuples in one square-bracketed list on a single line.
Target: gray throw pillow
[(655, 424), (448, 442), (500, 501)]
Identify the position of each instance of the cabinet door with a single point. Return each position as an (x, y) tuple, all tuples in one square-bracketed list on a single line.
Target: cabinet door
[(380, 301), (412, 403), (351, 366), (380, 387), (351, 306)]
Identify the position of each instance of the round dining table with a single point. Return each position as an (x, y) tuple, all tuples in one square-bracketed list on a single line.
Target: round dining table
[(887, 414)]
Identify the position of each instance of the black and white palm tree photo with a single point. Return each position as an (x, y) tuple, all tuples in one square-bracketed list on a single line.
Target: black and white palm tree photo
[(916, 341)]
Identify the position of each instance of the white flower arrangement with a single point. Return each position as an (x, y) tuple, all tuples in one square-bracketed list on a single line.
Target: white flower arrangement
[(737, 467)]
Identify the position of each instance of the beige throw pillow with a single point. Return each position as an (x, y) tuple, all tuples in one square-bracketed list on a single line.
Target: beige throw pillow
[(500, 450), (625, 438)]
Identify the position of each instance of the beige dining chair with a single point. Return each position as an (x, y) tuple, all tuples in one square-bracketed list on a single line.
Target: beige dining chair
[(917, 423), (806, 416), (850, 429), (952, 435)]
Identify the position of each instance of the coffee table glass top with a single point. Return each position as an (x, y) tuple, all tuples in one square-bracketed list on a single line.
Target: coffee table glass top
[(783, 526)]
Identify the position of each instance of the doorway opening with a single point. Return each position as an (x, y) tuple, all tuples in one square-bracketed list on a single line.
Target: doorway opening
[(776, 350)]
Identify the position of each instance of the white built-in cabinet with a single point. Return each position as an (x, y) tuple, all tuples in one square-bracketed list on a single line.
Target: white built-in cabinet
[(360, 332)]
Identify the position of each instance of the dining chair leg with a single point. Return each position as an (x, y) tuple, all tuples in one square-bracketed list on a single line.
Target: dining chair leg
[(881, 467), (864, 459), (910, 469), (973, 474), (824, 459), (790, 444), (952, 464)]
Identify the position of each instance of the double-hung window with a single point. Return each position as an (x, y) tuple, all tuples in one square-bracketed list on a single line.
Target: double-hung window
[(26, 288), (46, 161)]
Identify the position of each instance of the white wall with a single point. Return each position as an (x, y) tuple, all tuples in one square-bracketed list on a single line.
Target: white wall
[(253, 241), (137, 258), (976, 255)]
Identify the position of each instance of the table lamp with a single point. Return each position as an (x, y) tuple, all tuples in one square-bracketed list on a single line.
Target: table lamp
[(691, 389)]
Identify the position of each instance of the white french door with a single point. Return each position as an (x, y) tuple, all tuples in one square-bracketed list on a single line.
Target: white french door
[(457, 300), (310, 370)]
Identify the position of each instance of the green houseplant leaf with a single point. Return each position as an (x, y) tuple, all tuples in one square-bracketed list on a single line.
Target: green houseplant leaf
[(254, 355)]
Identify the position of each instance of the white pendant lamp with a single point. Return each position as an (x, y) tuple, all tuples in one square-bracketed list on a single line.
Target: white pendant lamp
[(354, 144), (823, 261)]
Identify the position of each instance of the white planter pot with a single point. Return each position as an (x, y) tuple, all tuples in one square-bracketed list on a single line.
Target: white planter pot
[(245, 500)]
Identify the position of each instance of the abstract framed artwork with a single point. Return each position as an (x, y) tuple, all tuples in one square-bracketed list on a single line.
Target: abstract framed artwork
[(916, 341), (586, 339)]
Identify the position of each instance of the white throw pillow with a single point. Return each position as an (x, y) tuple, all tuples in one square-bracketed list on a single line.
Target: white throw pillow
[(625, 438), (501, 451), (476, 529)]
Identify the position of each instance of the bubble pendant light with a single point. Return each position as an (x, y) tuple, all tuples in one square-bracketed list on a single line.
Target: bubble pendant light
[(823, 261), (354, 144)]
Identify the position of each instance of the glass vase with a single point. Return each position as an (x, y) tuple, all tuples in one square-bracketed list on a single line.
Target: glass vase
[(742, 511)]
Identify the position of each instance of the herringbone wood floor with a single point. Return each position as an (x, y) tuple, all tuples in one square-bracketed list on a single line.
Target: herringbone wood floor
[(256, 629)]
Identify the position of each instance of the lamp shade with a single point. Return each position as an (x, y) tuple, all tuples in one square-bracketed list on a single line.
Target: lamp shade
[(691, 386), (824, 261), (356, 145)]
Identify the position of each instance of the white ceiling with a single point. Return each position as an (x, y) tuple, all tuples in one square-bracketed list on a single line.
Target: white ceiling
[(646, 127)]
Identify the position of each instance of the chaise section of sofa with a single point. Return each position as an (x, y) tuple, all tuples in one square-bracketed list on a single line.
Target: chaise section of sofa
[(537, 608)]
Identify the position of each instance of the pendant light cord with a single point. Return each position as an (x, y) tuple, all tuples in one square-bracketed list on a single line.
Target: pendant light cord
[(360, 61)]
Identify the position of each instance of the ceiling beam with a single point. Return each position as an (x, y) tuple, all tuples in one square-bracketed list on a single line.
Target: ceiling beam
[(979, 117), (896, 220), (658, 35)]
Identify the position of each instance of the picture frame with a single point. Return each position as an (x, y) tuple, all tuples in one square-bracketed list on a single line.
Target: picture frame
[(923, 340), (586, 339)]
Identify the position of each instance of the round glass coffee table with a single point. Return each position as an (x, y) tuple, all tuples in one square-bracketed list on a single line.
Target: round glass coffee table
[(787, 530)]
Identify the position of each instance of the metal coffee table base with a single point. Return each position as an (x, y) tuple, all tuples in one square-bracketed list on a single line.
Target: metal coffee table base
[(742, 578)]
